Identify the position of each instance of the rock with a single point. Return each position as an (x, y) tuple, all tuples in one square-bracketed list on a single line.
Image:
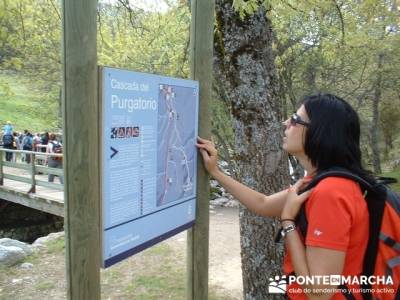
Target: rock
[(16, 280), (214, 183), (10, 242), (26, 266), (223, 164), (11, 255), (215, 196), (219, 201), (40, 242), (232, 203)]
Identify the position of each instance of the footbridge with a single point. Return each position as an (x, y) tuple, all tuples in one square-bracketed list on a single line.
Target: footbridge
[(24, 180)]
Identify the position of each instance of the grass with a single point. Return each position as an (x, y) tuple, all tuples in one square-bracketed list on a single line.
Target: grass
[(45, 286), (157, 273), (56, 246), (26, 106)]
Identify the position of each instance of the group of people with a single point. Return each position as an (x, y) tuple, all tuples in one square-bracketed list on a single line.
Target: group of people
[(40, 142)]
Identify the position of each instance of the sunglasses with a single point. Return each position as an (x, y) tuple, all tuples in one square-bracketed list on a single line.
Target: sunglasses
[(296, 119)]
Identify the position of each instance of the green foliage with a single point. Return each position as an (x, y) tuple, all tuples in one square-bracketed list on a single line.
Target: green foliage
[(248, 7), (348, 48), (45, 286), (25, 106), (128, 37), (144, 41), (320, 46)]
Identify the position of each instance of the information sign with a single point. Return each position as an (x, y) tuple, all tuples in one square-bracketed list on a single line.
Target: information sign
[(148, 160)]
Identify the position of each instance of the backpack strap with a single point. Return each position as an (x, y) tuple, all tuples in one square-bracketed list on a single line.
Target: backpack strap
[(386, 180), (391, 264), (339, 172), (388, 241)]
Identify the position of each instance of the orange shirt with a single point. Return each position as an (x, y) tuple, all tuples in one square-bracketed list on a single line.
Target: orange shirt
[(338, 219)]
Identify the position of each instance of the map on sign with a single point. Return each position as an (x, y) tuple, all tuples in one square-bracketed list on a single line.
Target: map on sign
[(176, 148), (149, 160)]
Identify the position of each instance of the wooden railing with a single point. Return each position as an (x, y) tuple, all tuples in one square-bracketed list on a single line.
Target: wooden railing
[(35, 166)]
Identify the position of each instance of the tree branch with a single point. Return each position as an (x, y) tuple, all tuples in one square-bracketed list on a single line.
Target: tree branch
[(341, 18)]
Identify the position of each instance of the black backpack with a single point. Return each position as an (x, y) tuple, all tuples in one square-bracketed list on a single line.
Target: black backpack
[(8, 140), (57, 148)]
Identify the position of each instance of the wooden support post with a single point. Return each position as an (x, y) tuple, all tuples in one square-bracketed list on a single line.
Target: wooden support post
[(33, 174), (81, 153), (201, 48)]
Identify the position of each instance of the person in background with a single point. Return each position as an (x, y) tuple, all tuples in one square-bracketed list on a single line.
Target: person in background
[(44, 140), (54, 146), (8, 129), (36, 142), (27, 144), (18, 142), (8, 142), (15, 145)]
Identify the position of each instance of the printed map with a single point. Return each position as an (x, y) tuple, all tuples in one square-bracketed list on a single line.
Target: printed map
[(176, 143)]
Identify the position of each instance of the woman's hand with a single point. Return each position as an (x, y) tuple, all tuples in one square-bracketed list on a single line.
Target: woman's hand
[(294, 200), (209, 153)]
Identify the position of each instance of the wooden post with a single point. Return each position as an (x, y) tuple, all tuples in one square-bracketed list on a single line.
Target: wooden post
[(201, 56), (33, 173), (81, 153)]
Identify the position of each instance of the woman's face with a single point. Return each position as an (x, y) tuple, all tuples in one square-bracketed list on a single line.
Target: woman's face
[(293, 141)]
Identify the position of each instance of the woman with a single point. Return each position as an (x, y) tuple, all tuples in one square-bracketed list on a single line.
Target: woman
[(323, 133)]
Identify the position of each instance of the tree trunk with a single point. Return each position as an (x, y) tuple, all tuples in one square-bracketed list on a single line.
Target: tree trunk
[(375, 118), (244, 64)]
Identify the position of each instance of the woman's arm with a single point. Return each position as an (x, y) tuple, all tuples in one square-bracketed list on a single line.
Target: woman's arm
[(314, 261), (269, 206), (309, 261)]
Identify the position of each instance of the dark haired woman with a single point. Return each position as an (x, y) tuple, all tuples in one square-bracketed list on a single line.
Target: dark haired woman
[(323, 133)]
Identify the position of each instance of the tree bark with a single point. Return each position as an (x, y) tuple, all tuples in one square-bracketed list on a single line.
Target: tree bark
[(244, 64)]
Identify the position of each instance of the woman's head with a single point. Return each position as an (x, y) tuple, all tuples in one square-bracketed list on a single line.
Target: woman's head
[(331, 136)]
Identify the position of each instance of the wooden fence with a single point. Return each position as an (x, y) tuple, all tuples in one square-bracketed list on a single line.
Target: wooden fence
[(37, 165)]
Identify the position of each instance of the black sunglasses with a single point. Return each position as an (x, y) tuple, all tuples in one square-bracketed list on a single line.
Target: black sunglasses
[(296, 119)]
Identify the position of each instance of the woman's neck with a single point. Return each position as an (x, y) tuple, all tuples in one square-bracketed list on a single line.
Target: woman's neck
[(307, 165)]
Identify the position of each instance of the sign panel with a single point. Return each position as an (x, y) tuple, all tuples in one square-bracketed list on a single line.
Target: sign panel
[(149, 160)]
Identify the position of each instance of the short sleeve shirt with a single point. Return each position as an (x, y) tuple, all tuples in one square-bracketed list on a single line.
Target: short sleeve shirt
[(338, 219)]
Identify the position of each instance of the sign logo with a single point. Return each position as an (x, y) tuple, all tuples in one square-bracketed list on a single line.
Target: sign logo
[(277, 285)]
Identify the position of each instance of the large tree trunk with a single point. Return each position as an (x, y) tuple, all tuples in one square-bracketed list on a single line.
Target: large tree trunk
[(244, 64)]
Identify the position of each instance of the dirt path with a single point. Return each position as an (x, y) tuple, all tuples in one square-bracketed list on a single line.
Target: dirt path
[(225, 271), (142, 274)]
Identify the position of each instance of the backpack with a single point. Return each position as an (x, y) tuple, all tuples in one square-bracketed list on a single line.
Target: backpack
[(57, 149), (27, 142), (8, 139), (382, 256)]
